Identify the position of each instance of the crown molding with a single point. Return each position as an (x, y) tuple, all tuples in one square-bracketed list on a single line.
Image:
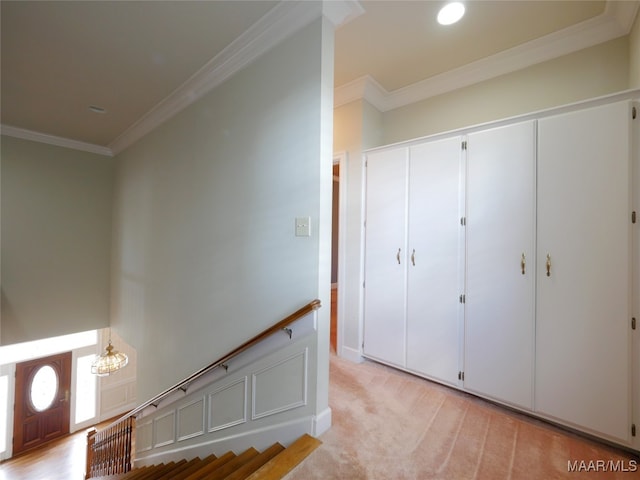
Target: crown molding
[(54, 140), (279, 23), (342, 12), (616, 21)]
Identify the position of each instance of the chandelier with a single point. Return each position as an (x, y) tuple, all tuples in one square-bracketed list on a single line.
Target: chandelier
[(109, 362)]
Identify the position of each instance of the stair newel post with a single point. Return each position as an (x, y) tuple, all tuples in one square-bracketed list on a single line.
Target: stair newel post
[(90, 443)]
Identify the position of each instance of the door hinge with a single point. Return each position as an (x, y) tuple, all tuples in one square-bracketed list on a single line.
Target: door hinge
[(463, 221), (461, 376), (463, 298), (633, 429), (633, 323), (464, 145), (633, 217), (633, 113)]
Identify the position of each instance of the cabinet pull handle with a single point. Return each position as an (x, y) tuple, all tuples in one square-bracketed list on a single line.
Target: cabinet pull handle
[(523, 263), (548, 265), (413, 257), (398, 256)]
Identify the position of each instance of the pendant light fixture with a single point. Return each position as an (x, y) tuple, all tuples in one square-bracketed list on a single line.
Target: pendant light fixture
[(109, 362)]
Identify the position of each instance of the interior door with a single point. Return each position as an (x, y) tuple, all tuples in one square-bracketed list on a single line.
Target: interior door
[(385, 256), (583, 365), (433, 264), (499, 307), (42, 406)]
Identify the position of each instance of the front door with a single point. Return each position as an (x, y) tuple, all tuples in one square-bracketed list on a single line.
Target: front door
[(42, 406)]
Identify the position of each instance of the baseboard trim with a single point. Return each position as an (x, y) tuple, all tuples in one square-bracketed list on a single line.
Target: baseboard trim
[(322, 422), (351, 354), (261, 439)]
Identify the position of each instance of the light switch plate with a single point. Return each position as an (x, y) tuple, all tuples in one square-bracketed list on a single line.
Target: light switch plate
[(303, 226)]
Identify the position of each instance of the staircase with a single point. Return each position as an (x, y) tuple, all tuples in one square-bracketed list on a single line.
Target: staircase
[(273, 463)]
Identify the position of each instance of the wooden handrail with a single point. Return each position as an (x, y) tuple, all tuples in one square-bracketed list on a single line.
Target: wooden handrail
[(109, 450), (310, 307)]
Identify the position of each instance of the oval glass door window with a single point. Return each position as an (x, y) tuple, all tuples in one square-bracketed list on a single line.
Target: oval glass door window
[(44, 388)]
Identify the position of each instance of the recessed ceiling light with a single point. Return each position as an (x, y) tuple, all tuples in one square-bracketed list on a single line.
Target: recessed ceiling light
[(96, 109), (450, 13)]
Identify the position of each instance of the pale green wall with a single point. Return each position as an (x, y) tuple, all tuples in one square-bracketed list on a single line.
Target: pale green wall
[(205, 254), (56, 240), (585, 74), (634, 54)]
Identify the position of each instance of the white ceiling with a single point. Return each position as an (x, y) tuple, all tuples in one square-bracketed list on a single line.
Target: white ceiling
[(143, 61)]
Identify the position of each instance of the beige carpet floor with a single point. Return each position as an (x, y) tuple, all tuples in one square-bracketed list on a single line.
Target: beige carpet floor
[(390, 425)]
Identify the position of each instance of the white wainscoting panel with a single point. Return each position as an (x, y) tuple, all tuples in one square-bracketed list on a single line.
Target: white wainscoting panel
[(228, 405), (260, 397), (164, 429), (191, 419), (280, 387), (144, 436)]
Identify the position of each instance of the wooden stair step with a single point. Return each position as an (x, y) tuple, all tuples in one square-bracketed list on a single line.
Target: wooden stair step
[(255, 463), (285, 461), (222, 472), (194, 467), (210, 466), (154, 472), (173, 474)]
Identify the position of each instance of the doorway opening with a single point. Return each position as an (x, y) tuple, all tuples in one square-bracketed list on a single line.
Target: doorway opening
[(42, 407)]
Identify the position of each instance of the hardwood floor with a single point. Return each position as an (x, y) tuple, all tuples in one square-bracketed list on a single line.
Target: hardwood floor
[(61, 459)]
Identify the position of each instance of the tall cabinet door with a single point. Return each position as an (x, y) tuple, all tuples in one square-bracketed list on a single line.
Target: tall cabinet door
[(499, 303), (385, 256), (433, 259), (584, 269)]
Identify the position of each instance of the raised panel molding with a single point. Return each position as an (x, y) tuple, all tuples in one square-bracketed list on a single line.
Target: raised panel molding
[(144, 436), (228, 405), (164, 429), (280, 387), (191, 419)]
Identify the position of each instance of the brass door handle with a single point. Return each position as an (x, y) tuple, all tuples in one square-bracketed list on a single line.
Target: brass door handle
[(413, 257), (523, 263), (398, 256), (548, 265)]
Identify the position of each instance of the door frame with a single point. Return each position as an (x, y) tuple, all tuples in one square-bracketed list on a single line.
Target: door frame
[(62, 396), (341, 159)]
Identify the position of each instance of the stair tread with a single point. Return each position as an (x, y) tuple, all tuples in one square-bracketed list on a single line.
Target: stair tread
[(196, 465), (255, 463), (285, 461), (222, 472), (210, 466), (271, 464), (184, 465)]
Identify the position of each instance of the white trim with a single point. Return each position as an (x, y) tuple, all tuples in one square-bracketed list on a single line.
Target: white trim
[(341, 158), (341, 12), (351, 354), (321, 422), (245, 399), (260, 438), (290, 406), (181, 438), (615, 22), (279, 23), (54, 140), (156, 422)]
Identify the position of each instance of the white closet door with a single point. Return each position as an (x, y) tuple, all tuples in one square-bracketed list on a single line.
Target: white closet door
[(433, 253), (385, 256), (499, 308), (584, 221)]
